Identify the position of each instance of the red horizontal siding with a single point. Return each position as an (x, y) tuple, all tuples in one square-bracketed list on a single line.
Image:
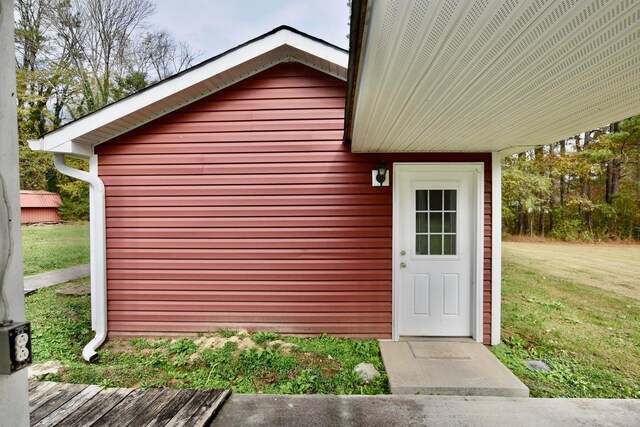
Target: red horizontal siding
[(341, 328), (243, 254), (216, 284), (36, 215), (295, 245), (295, 200), (253, 296), (243, 190), (261, 316), (246, 210), (241, 275), (248, 232), (251, 306)]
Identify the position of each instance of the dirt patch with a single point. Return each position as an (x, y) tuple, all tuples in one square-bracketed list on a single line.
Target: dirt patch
[(612, 267), (284, 347), (328, 364), (75, 289), (217, 342)]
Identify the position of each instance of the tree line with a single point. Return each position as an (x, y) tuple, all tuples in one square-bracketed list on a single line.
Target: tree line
[(586, 187), (74, 57)]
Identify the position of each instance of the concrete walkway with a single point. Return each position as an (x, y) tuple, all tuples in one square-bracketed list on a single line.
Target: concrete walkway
[(447, 366), (43, 280), (317, 410)]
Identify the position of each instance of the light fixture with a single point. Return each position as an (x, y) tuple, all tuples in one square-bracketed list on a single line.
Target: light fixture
[(381, 177)]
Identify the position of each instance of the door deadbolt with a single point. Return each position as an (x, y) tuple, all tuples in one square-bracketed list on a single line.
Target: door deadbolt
[(403, 253)]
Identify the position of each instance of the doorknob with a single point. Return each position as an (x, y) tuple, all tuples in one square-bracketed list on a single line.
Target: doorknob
[(403, 265)]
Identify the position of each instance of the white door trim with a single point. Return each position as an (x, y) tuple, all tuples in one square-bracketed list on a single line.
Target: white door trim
[(477, 263)]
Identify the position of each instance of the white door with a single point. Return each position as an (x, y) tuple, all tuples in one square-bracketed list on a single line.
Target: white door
[(434, 245)]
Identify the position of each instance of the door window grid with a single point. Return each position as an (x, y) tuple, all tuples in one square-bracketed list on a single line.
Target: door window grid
[(436, 219)]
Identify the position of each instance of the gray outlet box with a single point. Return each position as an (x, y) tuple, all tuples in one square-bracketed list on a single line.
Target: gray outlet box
[(15, 347)]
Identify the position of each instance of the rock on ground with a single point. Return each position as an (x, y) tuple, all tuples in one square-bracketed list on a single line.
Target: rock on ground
[(41, 369), (366, 371)]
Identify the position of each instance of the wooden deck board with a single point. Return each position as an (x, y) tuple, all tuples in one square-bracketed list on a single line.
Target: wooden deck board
[(57, 404), (171, 408), (68, 408), (39, 395), (207, 411), (151, 410), (94, 409), (183, 416), (60, 395)]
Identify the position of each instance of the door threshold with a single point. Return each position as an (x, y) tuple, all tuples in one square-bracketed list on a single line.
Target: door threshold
[(436, 339)]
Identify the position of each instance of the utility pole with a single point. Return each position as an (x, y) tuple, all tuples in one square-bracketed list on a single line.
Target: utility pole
[(14, 398)]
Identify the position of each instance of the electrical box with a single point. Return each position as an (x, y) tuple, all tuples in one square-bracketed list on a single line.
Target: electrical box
[(15, 347)]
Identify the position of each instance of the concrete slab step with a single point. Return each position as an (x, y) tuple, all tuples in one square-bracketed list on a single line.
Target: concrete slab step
[(447, 367)]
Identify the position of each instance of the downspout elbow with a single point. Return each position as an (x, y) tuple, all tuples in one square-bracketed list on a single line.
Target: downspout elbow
[(89, 352), (98, 253)]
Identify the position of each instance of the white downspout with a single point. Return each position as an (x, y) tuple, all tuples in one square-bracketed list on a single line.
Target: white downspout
[(98, 250)]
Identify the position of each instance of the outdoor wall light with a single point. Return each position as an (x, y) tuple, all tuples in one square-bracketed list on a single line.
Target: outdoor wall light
[(381, 174)]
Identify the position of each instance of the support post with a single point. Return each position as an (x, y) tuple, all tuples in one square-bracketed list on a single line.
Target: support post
[(14, 397), (496, 247)]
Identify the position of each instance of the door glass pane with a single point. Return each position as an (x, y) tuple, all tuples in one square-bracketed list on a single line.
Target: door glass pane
[(421, 222), (422, 245), (435, 244), (422, 197), (449, 200), (435, 200), (449, 222), (449, 246), (436, 222)]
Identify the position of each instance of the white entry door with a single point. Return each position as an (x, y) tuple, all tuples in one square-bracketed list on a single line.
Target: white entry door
[(435, 249)]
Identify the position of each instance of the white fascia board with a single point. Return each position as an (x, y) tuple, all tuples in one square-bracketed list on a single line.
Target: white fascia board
[(71, 148), (326, 52), (61, 141)]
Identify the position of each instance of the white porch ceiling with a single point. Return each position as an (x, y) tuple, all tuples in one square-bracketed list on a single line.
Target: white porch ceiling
[(493, 75)]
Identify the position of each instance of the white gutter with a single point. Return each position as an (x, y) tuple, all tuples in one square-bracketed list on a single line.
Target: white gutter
[(98, 250)]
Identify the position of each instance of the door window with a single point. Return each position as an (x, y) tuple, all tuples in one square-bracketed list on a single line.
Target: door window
[(436, 222)]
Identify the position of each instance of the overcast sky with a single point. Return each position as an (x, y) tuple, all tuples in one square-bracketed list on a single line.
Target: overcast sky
[(214, 26)]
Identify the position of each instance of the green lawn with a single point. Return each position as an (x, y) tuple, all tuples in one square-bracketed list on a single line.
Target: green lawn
[(588, 336), (257, 362), (51, 247)]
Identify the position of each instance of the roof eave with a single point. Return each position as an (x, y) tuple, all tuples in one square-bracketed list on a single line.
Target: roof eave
[(356, 34)]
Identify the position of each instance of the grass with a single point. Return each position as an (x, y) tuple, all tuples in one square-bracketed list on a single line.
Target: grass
[(260, 362), (611, 267), (589, 338), (52, 247)]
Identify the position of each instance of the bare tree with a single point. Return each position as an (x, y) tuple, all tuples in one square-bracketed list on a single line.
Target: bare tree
[(159, 55), (75, 56)]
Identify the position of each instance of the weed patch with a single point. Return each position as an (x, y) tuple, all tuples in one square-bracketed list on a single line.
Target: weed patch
[(260, 362)]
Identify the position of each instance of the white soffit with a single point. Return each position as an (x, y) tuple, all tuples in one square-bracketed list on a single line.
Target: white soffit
[(282, 45), (499, 75)]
